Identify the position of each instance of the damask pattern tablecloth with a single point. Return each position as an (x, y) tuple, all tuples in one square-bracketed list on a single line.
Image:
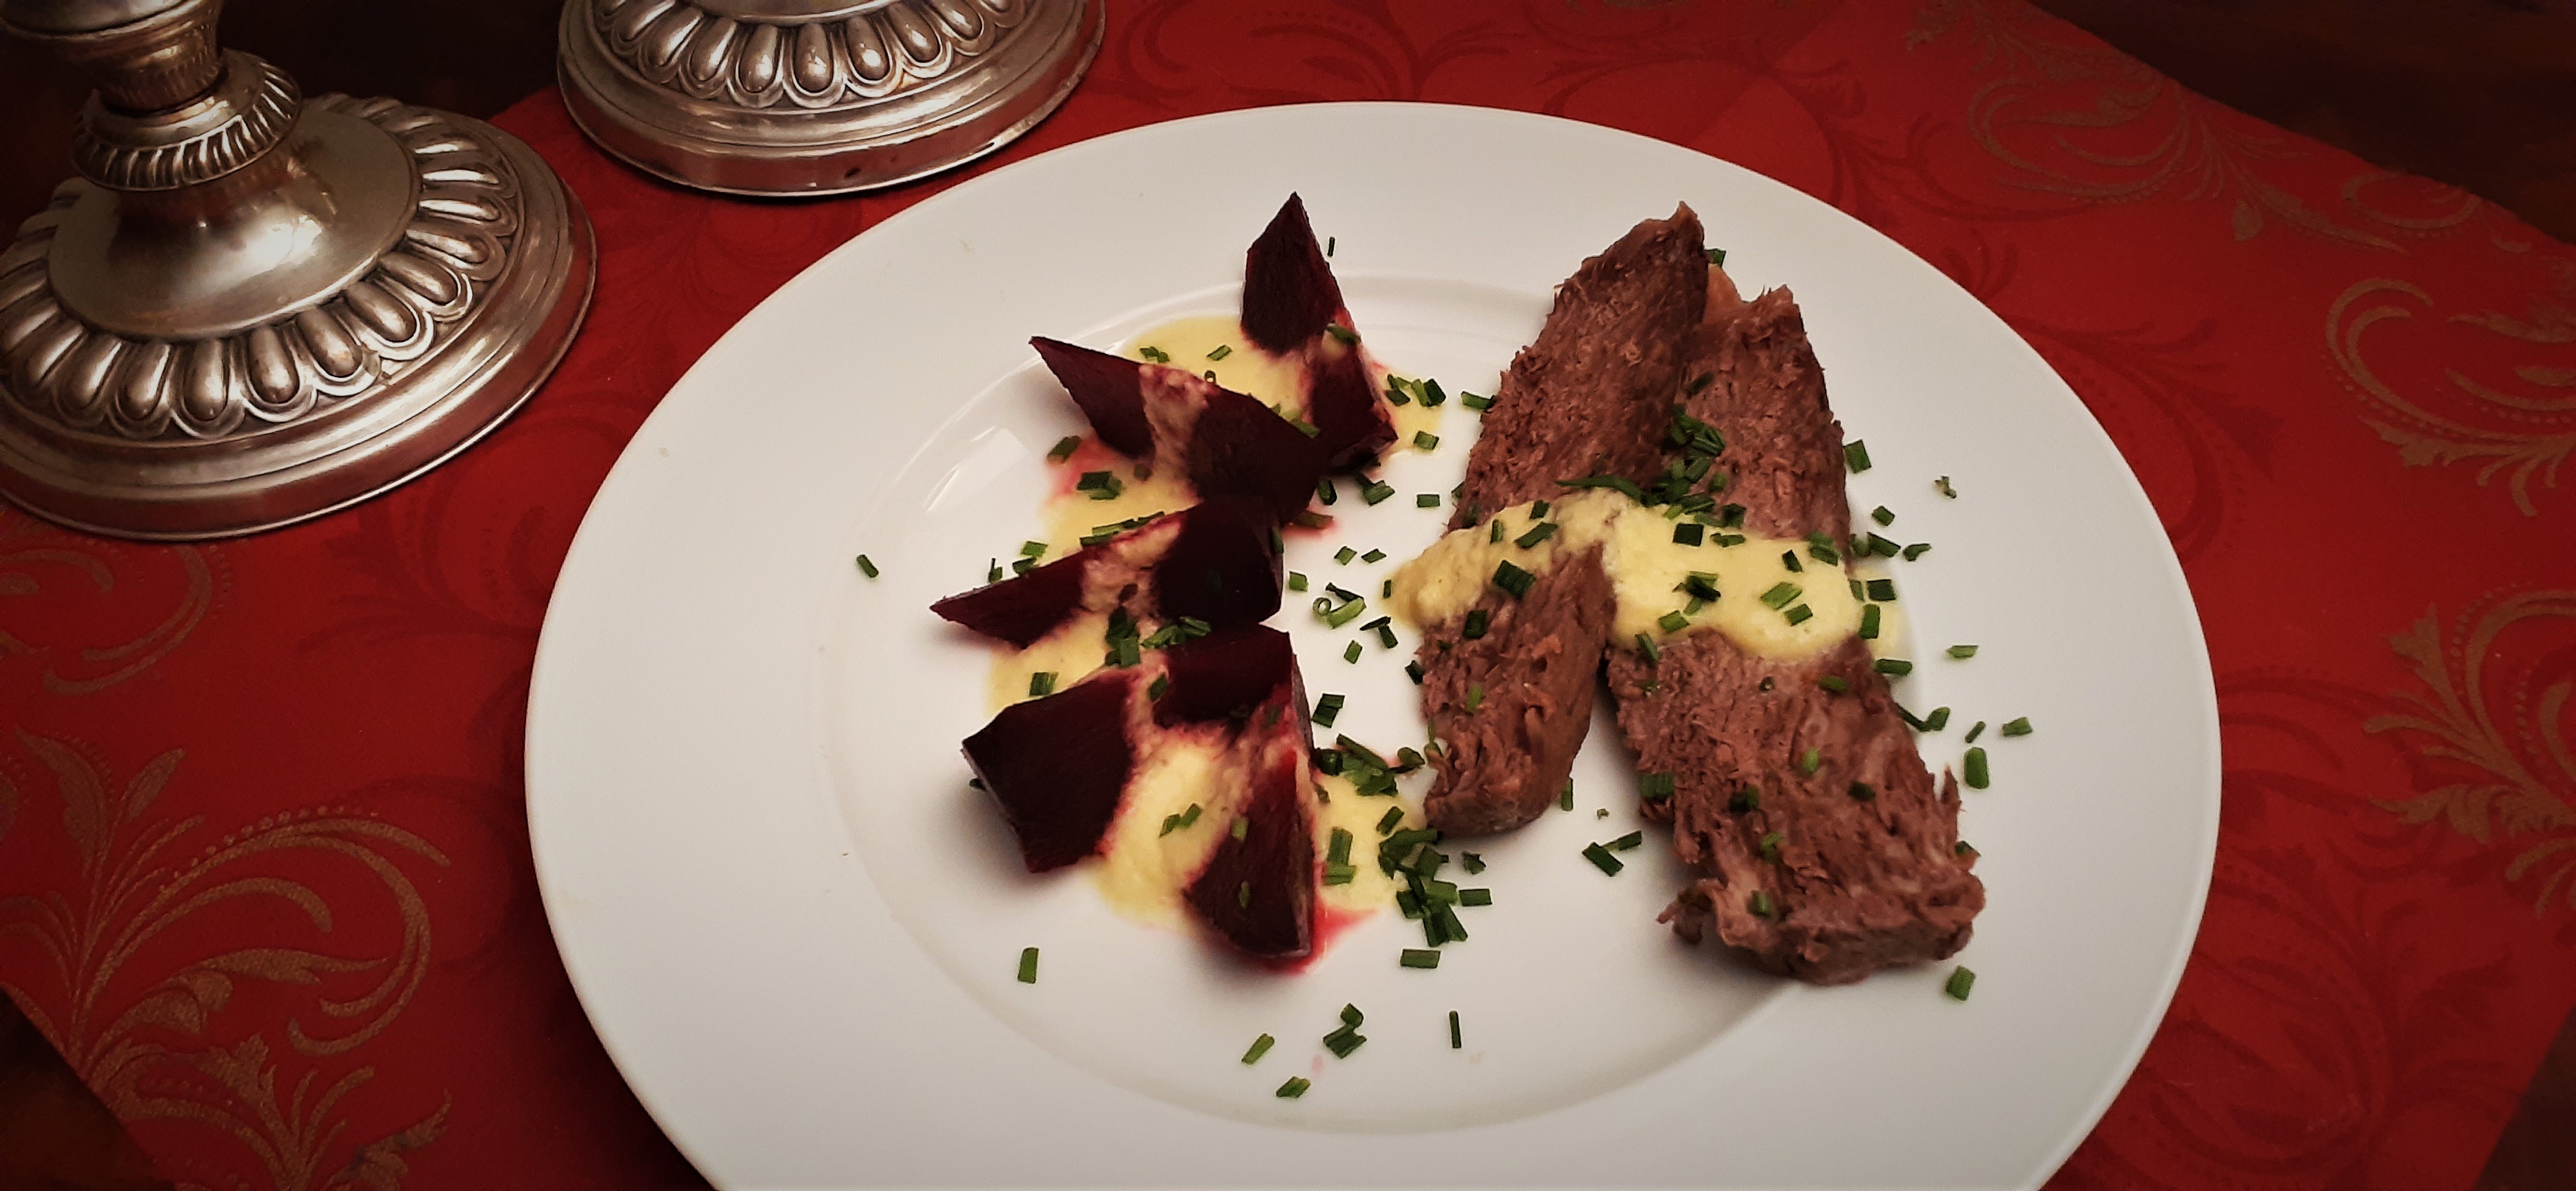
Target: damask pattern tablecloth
[(264, 874)]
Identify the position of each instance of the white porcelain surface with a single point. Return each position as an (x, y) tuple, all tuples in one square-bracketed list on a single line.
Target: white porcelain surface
[(795, 928)]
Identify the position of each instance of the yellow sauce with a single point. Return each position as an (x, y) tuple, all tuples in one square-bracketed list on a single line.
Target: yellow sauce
[(1071, 516), (1370, 889), (1645, 566), (1144, 871), (1075, 649), (1275, 381)]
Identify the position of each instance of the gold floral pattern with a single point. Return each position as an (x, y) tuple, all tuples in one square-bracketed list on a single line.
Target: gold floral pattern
[(2515, 424), (34, 555), (2506, 780), (2093, 124), (135, 1025)]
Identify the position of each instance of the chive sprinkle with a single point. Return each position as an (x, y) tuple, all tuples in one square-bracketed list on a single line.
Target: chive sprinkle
[(1759, 903), (1426, 440), (1672, 622), (1963, 651), (1655, 787), (1432, 396), (1943, 487), (1602, 859), (1897, 667), (1477, 620), (1538, 509), (1474, 402), (1327, 491), (1345, 555), (1868, 622), (1041, 684), (1976, 775), (1882, 515), (1917, 550), (1426, 500), (1494, 532), (867, 568), (1162, 683), (1626, 843), (1975, 732), (1835, 683), (1883, 590), (1799, 614), (1413, 670), (1565, 797), (1155, 354), (1374, 555), (1475, 897), (1455, 1042), (1295, 1087), (1781, 595), (1939, 719), (1856, 455), (1745, 800), (1475, 695), (1688, 533), (1513, 580), (1329, 242), (2017, 727), (1028, 965), (1646, 645), (1809, 760), (1342, 333), (1327, 708), (993, 571), (1863, 791), (1352, 654), (1537, 533), (1260, 1046), (1296, 580), (1770, 845), (1415, 957), (1473, 863), (1789, 559), (1064, 448), (1961, 980), (1373, 491), (1387, 822)]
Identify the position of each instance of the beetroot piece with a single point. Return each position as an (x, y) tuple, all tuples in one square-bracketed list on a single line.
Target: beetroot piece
[(1023, 608), (1349, 423), (1219, 567), (1289, 295), (1239, 446), (1258, 892), (1058, 765), (1226, 676), (1110, 390)]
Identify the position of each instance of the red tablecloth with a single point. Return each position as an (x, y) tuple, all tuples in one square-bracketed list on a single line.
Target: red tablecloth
[(264, 876)]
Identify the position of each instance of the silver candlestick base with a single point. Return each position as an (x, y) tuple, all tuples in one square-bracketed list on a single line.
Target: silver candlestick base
[(785, 97), (251, 309)]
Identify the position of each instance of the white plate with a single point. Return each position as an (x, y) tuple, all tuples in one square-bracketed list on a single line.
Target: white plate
[(795, 929)]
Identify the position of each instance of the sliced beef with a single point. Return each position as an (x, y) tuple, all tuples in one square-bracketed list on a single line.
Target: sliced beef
[(1590, 397), (1863, 869)]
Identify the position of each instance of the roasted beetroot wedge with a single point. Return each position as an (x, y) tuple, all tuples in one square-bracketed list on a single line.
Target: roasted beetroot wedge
[(1023, 608), (1293, 307), (1058, 767), (1220, 567), (1227, 676), (1258, 891), (1228, 444)]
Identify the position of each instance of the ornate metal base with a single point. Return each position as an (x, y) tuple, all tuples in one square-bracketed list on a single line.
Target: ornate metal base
[(785, 97), (438, 316)]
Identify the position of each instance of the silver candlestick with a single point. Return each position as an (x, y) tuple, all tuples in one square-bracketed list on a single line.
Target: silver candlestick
[(252, 308), (816, 96)]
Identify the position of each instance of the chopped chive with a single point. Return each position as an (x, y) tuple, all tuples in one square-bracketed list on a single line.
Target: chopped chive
[(1385, 634), (993, 572), (1917, 550), (1646, 645), (1349, 611), (1688, 533), (1975, 732), (1022, 566), (1295, 1087), (1413, 670), (1041, 684), (1352, 654), (1386, 591), (1477, 621), (1415, 957), (1327, 708), (1345, 555), (1809, 760), (1943, 487), (1799, 614), (1342, 333), (1494, 532), (1373, 491), (1374, 555), (1260, 1046), (1882, 547), (1162, 683), (1939, 719), (1426, 500), (1565, 797), (1976, 775), (1863, 791), (1868, 622), (1296, 580), (1387, 822), (1781, 595), (1626, 843), (1672, 622), (2016, 727), (1475, 695), (1028, 965), (1759, 903), (1856, 455), (1602, 859), (1770, 845), (1455, 1042), (1033, 549), (869, 568), (1220, 351), (1655, 787), (1426, 440), (1537, 533), (1883, 590), (1327, 491), (1343, 1041), (1895, 666), (1155, 354), (1432, 396), (1789, 559), (1745, 800), (1474, 402), (1961, 980), (1475, 897), (1064, 448), (1963, 651), (1243, 892), (1962, 848), (1882, 516), (1835, 683), (1512, 579), (1329, 242)]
